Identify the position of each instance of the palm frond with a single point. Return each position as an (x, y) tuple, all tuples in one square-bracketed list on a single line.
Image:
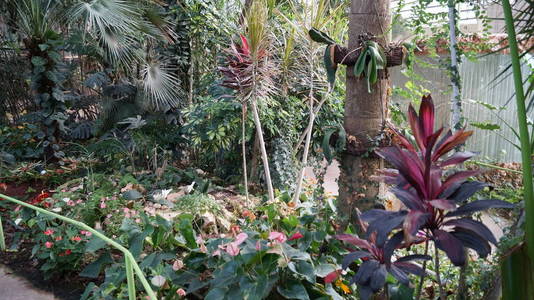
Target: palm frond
[(160, 85)]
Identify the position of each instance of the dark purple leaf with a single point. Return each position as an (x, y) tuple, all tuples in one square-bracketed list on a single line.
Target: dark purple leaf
[(392, 244), (479, 205), (410, 268), (452, 246), (354, 240), (466, 190), (414, 257), (452, 182), (475, 226), (443, 139), (374, 214), (383, 227), (399, 274), (378, 278), (365, 271), (473, 241), (443, 204), (457, 158), (365, 292), (408, 198), (349, 258), (414, 220)]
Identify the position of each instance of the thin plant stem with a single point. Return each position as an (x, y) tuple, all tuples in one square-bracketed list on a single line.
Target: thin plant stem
[(264, 156), (438, 277), (2, 238), (244, 147), (308, 136), (130, 278), (523, 128), (422, 278)]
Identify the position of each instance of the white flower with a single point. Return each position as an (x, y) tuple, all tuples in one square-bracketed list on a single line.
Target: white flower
[(56, 209), (158, 280), (17, 221), (66, 199), (162, 195)]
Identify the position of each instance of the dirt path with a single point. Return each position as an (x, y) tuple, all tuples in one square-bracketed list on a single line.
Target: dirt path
[(13, 287)]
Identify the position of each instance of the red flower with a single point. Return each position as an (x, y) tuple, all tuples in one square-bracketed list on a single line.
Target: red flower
[(49, 232), (76, 238), (39, 198), (68, 252), (49, 245), (297, 235), (59, 238), (331, 276)]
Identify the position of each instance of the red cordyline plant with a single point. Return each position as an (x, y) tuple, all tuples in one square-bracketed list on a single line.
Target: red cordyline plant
[(435, 202)]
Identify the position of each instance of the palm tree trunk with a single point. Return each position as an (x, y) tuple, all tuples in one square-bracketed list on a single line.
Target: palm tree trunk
[(364, 114), (456, 101)]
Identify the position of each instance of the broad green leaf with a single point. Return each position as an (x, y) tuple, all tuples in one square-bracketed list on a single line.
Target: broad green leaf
[(185, 226), (326, 145), (38, 61), (132, 195), (216, 294), (293, 290), (320, 37), (330, 66), (93, 269), (95, 244), (401, 292)]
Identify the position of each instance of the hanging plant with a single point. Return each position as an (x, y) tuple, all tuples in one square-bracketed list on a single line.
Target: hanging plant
[(371, 59)]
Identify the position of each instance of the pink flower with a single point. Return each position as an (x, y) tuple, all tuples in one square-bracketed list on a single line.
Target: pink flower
[(49, 245), (86, 233), (71, 203), (17, 208), (181, 292), (216, 252), (79, 201), (232, 249), (59, 238), (240, 238), (258, 245), (126, 210), (177, 265), (102, 205), (76, 238), (297, 235), (49, 232), (138, 220), (277, 236)]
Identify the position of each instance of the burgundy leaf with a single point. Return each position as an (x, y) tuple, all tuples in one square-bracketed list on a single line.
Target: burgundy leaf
[(330, 277), (473, 241), (349, 258), (365, 271), (457, 138), (354, 240), (399, 274), (479, 205), (378, 278), (452, 246), (245, 47), (466, 190), (414, 257), (408, 198), (457, 158), (416, 128), (475, 226), (443, 204), (410, 268), (404, 141), (413, 222), (426, 115)]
